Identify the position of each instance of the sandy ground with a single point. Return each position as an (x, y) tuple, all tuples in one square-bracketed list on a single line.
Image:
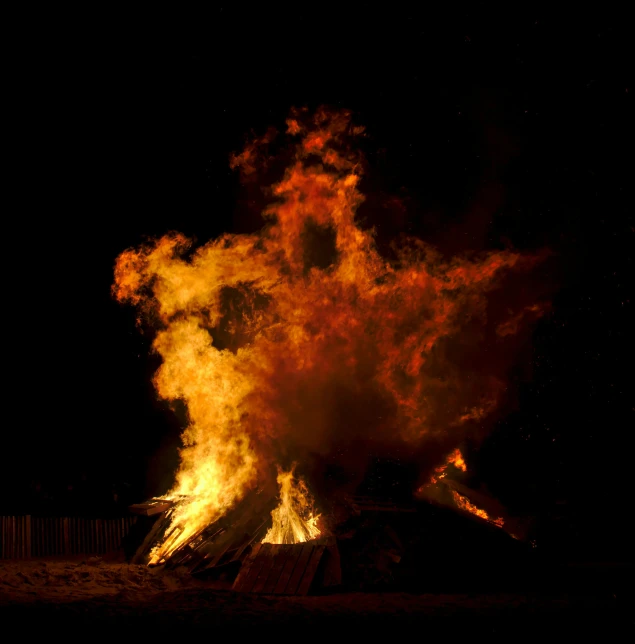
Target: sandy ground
[(112, 594)]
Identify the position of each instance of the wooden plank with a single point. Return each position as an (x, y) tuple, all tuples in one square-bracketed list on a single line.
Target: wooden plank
[(244, 569), (311, 569), (256, 567), (248, 580), (333, 569), (298, 571), (239, 553), (279, 560), (151, 507), (267, 565), (287, 570), (142, 550), (217, 557)]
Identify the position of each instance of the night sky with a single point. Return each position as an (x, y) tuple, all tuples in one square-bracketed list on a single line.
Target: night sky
[(485, 132)]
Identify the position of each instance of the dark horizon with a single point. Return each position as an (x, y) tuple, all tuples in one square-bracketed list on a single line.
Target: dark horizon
[(479, 138)]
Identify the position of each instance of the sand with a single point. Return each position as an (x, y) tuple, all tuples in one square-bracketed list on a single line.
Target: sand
[(93, 593)]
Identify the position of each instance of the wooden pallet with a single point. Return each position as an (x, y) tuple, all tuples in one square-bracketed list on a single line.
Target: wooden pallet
[(152, 507), (225, 542), (280, 569)]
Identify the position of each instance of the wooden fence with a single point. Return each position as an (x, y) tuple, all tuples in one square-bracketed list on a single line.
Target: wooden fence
[(27, 536)]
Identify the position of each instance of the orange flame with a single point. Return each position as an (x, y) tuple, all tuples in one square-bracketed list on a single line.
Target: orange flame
[(456, 459), (259, 340), (294, 520), (463, 503)]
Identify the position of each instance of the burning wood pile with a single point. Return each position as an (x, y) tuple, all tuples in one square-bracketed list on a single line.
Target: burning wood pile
[(293, 344), (281, 549)]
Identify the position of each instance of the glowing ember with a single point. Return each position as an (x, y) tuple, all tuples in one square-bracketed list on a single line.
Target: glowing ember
[(277, 352), (294, 520), (463, 503)]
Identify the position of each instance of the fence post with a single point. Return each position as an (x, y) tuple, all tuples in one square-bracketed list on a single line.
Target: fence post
[(66, 544), (28, 536)]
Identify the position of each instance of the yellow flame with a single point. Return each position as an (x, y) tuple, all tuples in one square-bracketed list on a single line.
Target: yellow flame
[(363, 320), (294, 520), (456, 458)]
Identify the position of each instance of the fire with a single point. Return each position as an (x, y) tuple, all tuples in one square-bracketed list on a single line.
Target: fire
[(456, 459), (277, 353), (294, 520), (463, 503)]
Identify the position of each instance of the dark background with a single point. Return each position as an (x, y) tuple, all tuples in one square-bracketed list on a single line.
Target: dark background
[(489, 129)]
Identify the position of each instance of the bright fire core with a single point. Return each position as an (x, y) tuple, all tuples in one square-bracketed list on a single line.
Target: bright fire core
[(294, 520), (278, 350)]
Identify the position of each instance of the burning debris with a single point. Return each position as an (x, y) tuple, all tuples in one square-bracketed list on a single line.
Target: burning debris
[(284, 349), (461, 501)]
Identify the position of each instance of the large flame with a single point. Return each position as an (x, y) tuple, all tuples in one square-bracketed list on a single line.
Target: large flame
[(276, 350), (294, 520)]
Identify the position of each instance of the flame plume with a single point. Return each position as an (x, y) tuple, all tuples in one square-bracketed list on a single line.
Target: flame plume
[(294, 520), (276, 354)]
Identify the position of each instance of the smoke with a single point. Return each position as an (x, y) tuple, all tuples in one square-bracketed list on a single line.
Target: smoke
[(303, 344)]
